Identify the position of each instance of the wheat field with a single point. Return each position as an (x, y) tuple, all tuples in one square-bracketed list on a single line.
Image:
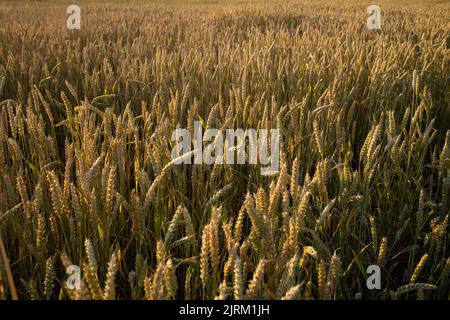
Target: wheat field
[(87, 178)]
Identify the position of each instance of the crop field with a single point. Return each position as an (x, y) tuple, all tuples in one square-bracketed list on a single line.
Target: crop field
[(96, 204)]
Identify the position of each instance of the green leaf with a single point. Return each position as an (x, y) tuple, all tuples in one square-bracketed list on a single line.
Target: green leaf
[(100, 231), (201, 121), (33, 168)]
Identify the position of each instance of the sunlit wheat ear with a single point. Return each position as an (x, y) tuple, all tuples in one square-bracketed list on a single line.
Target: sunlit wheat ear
[(189, 226), (172, 226), (418, 269), (228, 232), (280, 186), (250, 208), (382, 252), (212, 117), (214, 239), (21, 188), (161, 251), (151, 191), (318, 138), (109, 199), (204, 255), (109, 292), (293, 229), (261, 201), (335, 272), (157, 287), (237, 279), (46, 106), (41, 238), (89, 250), (238, 226), (288, 276), (229, 264), (69, 155), (444, 159), (170, 279), (302, 207), (326, 212), (92, 281), (292, 293), (438, 229), (286, 202), (420, 213), (148, 288), (321, 282), (415, 82), (321, 175), (294, 177), (137, 216), (188, 284), (255, 284), (374, 233), (49, 278), (214, 174), (56, 194)]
